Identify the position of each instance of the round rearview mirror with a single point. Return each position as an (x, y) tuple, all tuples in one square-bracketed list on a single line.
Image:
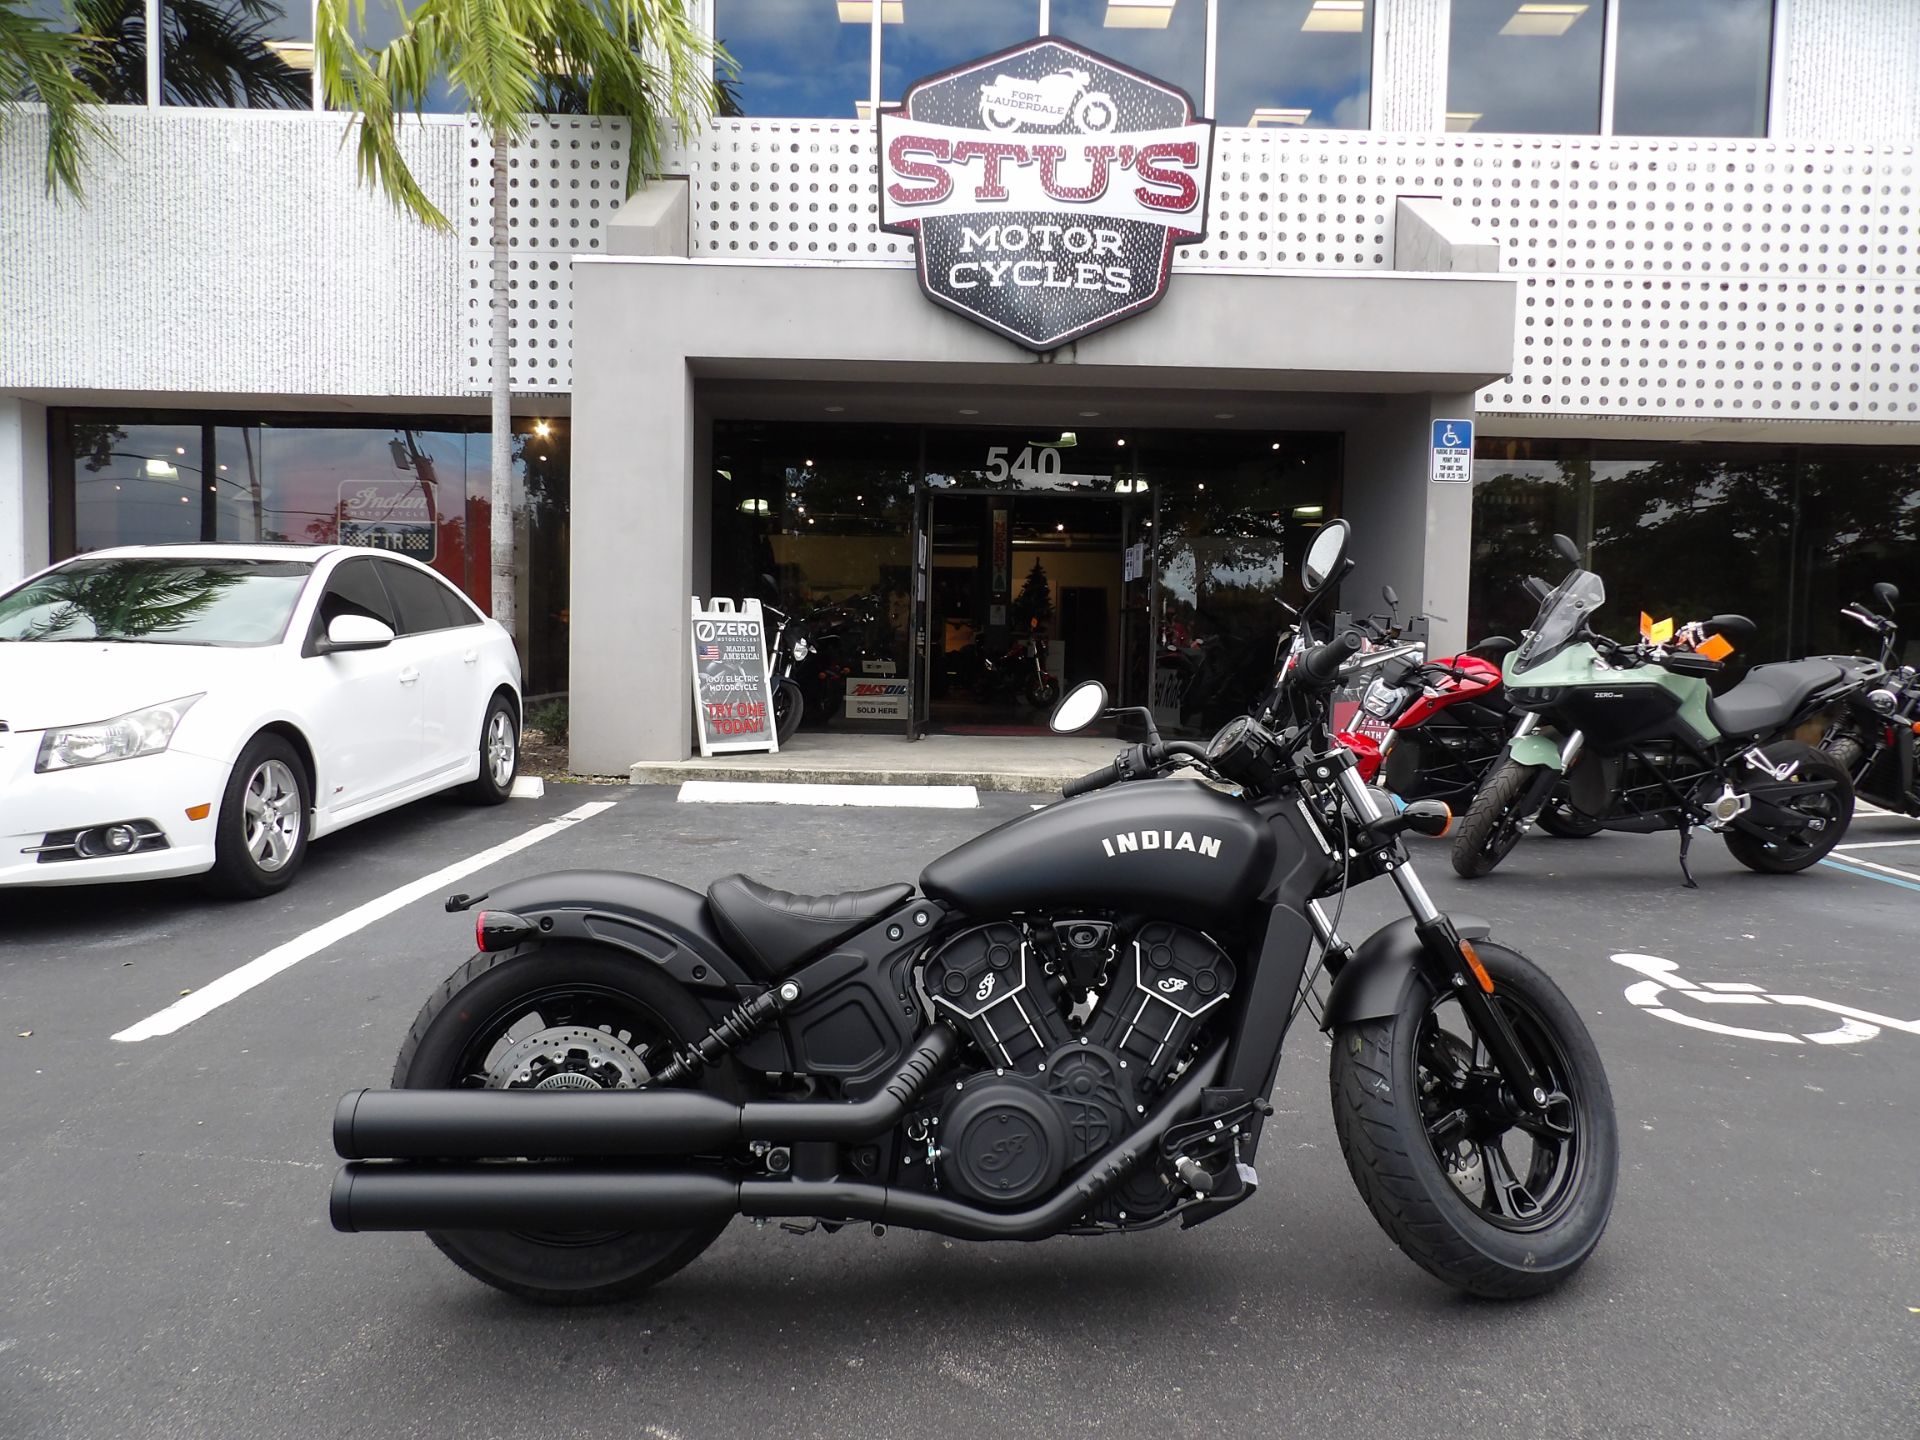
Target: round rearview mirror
[(1887, 595), (1566, 549), (1324, 554), (1078, 708)]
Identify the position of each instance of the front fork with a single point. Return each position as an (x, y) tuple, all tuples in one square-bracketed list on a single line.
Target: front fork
[(1451, 965)]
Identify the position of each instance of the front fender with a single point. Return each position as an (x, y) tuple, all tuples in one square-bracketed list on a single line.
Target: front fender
[(1535, 749), (1370, 985), (655, 919)]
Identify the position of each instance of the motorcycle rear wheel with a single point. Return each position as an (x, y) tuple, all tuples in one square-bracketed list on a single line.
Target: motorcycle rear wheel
[(1431, 1138), (1788, 854), (485, 1003), (1562, 821)]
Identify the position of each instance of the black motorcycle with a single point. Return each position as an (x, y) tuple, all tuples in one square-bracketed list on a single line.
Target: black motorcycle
[(1875, 739), (1072, 1027)]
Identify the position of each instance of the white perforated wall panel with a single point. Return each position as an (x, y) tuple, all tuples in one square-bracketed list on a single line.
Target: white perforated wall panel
[(1663, 277), (565, 180), (226, 252)]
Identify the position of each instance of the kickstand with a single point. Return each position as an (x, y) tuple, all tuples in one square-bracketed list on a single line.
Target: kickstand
[(1686, 839)]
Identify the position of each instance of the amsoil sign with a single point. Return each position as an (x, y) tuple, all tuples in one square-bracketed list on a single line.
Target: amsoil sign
[(1046, 186)]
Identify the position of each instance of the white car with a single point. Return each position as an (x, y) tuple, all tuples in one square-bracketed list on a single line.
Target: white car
[(208, 709)]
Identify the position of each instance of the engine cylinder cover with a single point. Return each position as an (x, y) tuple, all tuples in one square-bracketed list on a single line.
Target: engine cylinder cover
[(1002, 1141)]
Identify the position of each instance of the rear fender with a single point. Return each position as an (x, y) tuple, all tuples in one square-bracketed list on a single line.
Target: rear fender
[(1370, 985), (659, 921)]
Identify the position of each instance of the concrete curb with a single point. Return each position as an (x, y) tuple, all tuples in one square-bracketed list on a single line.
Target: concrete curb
[(670, 773)]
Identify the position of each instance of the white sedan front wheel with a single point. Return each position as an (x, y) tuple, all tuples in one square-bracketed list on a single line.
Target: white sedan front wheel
[(262, 835)]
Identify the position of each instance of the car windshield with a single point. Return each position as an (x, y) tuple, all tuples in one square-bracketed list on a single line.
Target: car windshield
[(156, 601), (1561, 615)]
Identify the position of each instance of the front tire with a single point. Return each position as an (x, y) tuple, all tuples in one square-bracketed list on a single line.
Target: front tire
[(260, 841), (789, 706), (1431, 1140), (1493, 825), (597, 1003)]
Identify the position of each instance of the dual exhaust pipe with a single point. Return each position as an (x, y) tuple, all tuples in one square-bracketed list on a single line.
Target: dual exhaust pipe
[(427, 1134)]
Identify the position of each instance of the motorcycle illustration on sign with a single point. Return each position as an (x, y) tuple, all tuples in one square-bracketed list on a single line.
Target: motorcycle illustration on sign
[(1046, 187), (1009, 103)]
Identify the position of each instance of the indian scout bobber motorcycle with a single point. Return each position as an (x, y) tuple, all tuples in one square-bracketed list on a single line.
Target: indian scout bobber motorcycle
[(1070, 1027), (1874, 739), (1641, 743)]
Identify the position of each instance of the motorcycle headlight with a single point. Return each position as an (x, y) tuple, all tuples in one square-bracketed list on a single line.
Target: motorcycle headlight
[(801, 649), (138, 732), (1380, 698)]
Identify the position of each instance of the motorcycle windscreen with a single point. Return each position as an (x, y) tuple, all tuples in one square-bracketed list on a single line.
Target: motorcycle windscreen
[(1561, 616)]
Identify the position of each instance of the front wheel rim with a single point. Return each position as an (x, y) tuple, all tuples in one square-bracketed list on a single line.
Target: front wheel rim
[(500, 749), (1471, 1120), (272, 815)]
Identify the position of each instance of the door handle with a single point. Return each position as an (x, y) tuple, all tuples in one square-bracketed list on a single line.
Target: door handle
[(470, 657), (409, 675)]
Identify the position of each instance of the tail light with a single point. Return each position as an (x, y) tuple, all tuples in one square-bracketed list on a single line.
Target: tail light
[(500, 930)]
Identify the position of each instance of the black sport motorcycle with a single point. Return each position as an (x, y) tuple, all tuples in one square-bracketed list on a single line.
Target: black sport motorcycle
[(1072, 1027), (1874, 740)]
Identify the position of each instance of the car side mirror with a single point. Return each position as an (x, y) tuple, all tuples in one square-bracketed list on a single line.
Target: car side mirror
[(354, 632)]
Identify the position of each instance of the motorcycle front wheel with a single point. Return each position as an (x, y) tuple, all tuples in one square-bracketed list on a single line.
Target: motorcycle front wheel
[(789, 705), (1493, 825), (1497, 1201), (558, 1016)]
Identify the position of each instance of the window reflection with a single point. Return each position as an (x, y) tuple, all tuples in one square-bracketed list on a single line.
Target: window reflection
[(140, 485), (1302, 63), (120, 76), (1692, 67), (933, 36), (252, 54), (1166, 39), (800, 59), (1533, 68), (382, 21)]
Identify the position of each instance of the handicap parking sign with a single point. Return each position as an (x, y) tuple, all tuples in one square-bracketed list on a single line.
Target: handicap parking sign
[(1452, 450)]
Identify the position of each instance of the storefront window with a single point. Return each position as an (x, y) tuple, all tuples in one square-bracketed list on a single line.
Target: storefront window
[(800, 59), (1294, 63), (1529, 67), (1783, 535), (931, 37), (1692, 67), (1166, 39), (141, 485), (120, 76), (253, 54)]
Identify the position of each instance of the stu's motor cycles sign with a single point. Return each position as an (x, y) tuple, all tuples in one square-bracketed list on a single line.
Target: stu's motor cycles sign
[(1046, 187)]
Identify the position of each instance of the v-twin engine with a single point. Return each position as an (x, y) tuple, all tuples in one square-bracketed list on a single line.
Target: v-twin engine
[(1083, 1024)]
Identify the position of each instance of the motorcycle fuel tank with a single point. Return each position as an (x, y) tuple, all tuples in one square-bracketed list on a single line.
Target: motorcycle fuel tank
[(1170, 848)]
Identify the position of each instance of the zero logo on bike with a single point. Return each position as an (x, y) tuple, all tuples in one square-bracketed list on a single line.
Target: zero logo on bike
[(1663, 978)]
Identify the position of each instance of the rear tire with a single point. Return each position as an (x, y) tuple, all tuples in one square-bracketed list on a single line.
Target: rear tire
[(488, 993), (1788, 855), (1562, 821), (1393, 1082), (1491, 830)]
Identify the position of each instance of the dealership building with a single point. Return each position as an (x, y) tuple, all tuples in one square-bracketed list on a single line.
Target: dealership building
[(996, 334)]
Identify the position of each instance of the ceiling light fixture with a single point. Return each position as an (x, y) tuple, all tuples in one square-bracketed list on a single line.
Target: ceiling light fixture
[(1308, 512), (966, 412), (1462, 120), (294, 54), (1139, 14), (542, 429), (1346, 17), (835, 409), (1275, 115), (1543, 19), (1089, 414), (1119, 442), (860, 12), (1223, 414)]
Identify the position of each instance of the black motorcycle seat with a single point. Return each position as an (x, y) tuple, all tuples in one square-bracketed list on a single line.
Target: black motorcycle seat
[(1769, 695), (772, 931)]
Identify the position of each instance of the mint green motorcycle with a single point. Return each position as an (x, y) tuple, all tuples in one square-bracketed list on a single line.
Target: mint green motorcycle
[(1641, 742)]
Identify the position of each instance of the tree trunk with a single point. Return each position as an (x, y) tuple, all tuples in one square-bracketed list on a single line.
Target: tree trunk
[(500, 319)]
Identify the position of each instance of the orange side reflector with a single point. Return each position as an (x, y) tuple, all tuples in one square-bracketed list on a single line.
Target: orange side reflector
[(1479, 970), (198, 812), (1447, 829), (1715, 647)]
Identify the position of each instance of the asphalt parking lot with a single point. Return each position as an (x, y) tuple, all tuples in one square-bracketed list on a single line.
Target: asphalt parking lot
[(169, 1270)]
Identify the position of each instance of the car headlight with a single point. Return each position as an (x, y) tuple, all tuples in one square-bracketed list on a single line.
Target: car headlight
[(138, 732)]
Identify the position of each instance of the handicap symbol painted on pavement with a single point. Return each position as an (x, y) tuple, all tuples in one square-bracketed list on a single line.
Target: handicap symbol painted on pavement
[(1663, 976)]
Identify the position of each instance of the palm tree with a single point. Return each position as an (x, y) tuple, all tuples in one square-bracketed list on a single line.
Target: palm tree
[(644, 60), (56, 68)]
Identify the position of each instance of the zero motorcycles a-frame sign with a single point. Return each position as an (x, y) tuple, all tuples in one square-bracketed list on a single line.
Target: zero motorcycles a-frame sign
[(1047, 188)]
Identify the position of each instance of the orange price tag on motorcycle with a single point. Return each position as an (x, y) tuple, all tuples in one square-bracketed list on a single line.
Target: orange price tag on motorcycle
[(1655, 632), (1715, 647)]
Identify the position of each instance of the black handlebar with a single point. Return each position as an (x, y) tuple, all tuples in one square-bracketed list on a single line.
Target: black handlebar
[(1320, 666), (1093, 780)]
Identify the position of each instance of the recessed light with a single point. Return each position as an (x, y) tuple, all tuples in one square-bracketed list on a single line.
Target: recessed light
[(1203, 484), (809, 464), (1119, 442), (1308, 512), (179, 449), (966, 412), (1088, 414), (835, 409), (542, 429), (1060, 527), (1276, 444), (1223, 415)]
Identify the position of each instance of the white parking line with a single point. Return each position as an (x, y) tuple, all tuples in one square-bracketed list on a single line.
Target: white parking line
[(1877, 844), (1850, 860), (263, 968), (767, 792)]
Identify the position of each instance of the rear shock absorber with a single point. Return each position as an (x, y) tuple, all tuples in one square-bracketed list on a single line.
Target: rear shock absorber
[(734, 1029)]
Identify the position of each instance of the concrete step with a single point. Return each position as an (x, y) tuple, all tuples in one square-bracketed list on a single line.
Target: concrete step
[(1034, 764)]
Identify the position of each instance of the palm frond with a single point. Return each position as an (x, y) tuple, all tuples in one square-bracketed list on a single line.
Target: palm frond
[(39, 63)]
